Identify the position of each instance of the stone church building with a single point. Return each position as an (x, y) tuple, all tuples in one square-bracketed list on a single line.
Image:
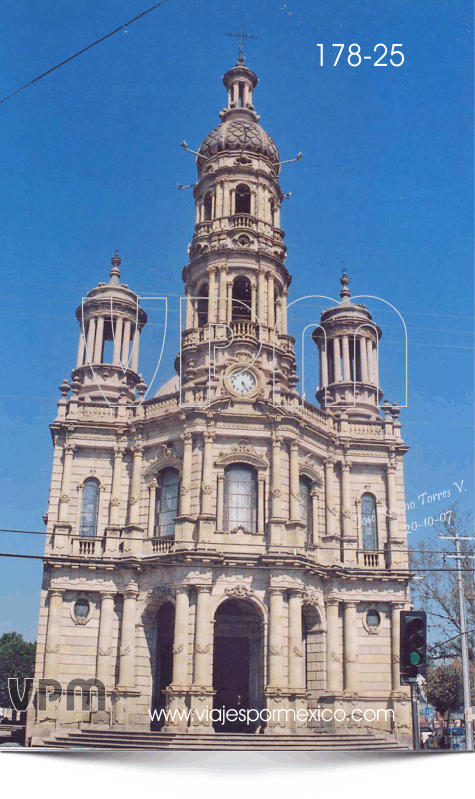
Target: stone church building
[(225, 543)]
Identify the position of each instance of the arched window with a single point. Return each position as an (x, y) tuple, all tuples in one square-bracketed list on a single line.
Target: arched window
[(240, 497), (89, 507), (166, 506), (203, 305), (242, 298), (306, 515), (369, 523), (243, 199), (208, 206)]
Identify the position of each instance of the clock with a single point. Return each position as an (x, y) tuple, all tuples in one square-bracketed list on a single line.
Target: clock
[(242, 382)]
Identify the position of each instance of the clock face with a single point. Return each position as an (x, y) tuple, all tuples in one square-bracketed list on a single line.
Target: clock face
[(242, 382)]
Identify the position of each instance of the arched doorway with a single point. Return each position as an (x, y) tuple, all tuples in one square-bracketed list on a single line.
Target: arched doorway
[(238, 662), (164, 660)]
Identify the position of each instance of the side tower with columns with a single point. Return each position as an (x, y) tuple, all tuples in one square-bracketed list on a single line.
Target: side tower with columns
[(225, 544)]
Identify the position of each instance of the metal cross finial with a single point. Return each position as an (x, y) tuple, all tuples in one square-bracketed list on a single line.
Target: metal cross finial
[(241, 36)]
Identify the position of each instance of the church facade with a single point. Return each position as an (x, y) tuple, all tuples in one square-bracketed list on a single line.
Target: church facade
[(226, 544)]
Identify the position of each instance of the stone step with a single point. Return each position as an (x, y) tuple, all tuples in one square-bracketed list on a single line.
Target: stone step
[(104, 739)]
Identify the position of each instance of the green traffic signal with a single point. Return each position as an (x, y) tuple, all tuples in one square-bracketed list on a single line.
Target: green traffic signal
[(415, 658)]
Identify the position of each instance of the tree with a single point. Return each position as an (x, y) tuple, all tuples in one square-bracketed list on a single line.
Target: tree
[(17, 659), (445, 687), (436, 589)]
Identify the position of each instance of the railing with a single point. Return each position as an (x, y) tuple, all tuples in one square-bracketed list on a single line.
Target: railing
[(87, 547), (278, 233), (91, 410), (203, 227), (243, 221), (162, 545), (367, 429), (244, 329), (369, 559), (286, 342), (156, 406)]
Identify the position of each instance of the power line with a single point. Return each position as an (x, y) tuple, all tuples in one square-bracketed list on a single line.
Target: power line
[(80, 52)]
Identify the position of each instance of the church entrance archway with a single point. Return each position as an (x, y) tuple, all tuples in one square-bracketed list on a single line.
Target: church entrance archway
[(164, 661), (238, 664)]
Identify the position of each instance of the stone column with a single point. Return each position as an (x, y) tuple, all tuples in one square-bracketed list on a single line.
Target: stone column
[(346, 498), (363, 360), (333, 646), (314, 495), (260, 504), (369, 360), (270, 301), (188, 309), (294, 482), (53, 634), (185, 504), (346, 359), (296, 658), (98, 340), (261, 298), (329, 497), (117, 341), (395, 646), (134, 364), (336, 360), (126, 344), (91, 331), (276, 478), (276, 664), (104, 649), (202, 658), (222, 299), (253, 302), (283, 328), (212, 293), (152, 494), (134, 514), (180, 638), (81, 348), (114, 516), (391, 500), (127, 639), (229, 304), (66, 482), (323, 366), (220, 503), (350, 647), (208, 481), (375, 363)]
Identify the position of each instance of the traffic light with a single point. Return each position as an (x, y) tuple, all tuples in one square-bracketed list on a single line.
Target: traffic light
[(413, 645)]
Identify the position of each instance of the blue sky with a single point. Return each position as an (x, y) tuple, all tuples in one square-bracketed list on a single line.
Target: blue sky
[(90, 160)]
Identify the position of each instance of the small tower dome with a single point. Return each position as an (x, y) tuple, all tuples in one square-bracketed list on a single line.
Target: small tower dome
[(111, 313), (347, 340)]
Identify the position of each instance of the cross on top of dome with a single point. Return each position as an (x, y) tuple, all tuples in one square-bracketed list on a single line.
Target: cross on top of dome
[(241, 36)]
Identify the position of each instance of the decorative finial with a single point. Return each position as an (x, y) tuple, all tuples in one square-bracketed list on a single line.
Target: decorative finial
[(344, 280), (115, 271)]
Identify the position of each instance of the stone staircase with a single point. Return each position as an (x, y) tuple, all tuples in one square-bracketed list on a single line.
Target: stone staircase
[(143, 741)]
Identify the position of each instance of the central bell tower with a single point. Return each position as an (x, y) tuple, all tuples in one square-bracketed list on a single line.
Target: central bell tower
[(236, 280)]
